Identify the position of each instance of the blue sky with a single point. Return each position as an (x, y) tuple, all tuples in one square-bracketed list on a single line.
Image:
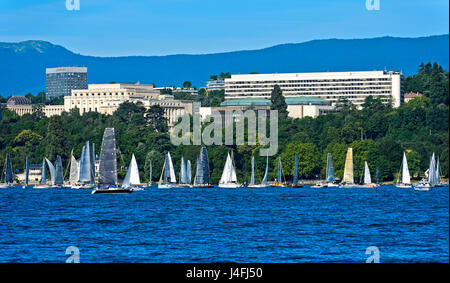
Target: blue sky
[(160, 27)]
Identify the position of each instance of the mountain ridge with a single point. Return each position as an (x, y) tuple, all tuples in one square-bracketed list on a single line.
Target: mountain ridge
[(28, 59)]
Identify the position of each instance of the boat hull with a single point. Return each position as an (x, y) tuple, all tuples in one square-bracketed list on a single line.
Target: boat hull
[(112, 191), (350, 186), (229, 186), (404, 186), (260, 186), (6, 186), (165, 186), (42, 187), (77, 187), (202, 186)]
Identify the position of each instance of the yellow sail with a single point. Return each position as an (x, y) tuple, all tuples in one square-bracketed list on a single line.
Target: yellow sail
[(348, 170)]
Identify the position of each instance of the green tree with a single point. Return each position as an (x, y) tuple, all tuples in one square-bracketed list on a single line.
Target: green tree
[(187, 84), (278, 102), (156, 119)]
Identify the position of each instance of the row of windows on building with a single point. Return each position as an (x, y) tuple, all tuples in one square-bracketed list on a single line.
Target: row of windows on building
[(308, 81)]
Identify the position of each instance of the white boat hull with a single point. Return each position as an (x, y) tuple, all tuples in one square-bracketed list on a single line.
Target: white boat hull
[(423, 188), (350, 186), (6, 186), (259, 186), (165, 186), (229, 186), (42, 187), (77, 187), (404, 186)]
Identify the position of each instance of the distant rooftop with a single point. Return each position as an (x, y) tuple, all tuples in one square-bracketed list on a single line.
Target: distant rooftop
[(18, 100), (297, 100), (66, 70)]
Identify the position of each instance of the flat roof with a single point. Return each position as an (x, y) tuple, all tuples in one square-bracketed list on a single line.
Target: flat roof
[(66, 70), (258, 101), (277, 76)]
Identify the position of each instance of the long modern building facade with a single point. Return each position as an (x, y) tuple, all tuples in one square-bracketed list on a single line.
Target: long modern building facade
[(355, 86), (61, 81)]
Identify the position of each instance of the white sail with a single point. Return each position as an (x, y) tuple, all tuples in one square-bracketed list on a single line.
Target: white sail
[(52, 171), (132, 177), (233, 173), (227, 173), (74, 172), (173, 179), (367, 178), (406, 178)]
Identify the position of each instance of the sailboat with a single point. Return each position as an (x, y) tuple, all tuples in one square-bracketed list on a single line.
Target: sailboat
[(107, 172), (367, 178), (188, 172), (438, 177), (43, 183), (58, 181), (348, 180), (295, 182), (426, 185), (85, 180), (168, 178), (8, 173), (202, 175), (329, 179), (132, 180), (27, 173), (184, 182), (278, 182), (406, 178), (229, 179), (264, 180)]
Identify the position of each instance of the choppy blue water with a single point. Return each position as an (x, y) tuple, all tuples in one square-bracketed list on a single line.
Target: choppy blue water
[(225, 225)]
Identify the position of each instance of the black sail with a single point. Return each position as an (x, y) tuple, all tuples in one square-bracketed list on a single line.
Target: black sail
[(107, 173)]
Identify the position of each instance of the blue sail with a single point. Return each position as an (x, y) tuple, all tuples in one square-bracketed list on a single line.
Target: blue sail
[(59, 171), (183, 175), (27, 171), (188, 172), (85, 165), (43, 177), (202, 173), (252, 178), (295, 181), (330, 169), (266, 173), (8, 170), (93, 163)]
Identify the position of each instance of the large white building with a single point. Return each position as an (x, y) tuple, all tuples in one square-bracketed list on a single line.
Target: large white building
[(355, 86)]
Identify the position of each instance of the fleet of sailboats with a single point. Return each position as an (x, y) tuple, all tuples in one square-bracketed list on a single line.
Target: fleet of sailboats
[(82, 173)]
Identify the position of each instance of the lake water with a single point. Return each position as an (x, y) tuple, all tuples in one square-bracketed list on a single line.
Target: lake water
[(225, 225)]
